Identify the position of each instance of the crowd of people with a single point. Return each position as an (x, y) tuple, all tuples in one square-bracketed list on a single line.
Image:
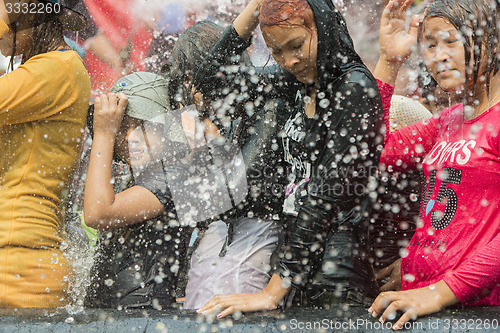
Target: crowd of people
[(244, 187)]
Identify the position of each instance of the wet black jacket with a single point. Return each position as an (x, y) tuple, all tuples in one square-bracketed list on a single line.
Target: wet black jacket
[(331, 157)]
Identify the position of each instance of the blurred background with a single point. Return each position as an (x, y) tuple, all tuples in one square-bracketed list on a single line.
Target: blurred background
[(136, 35)]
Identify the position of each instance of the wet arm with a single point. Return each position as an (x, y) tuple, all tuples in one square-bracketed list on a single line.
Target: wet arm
[(227, 51), (248, 20), (471, 280), (222, 75), (103, 209), (396, 45), (100, 46), (404, 148)]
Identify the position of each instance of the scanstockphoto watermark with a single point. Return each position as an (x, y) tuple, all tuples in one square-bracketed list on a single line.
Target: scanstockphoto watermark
[(348, 325), (365, 325), (351, 181), (359, 171)]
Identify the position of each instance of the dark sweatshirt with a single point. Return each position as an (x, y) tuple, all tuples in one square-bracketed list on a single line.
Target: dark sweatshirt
[(332, 157)]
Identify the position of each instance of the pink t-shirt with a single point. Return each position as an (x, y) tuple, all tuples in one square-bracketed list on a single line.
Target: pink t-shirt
[(458, 237)]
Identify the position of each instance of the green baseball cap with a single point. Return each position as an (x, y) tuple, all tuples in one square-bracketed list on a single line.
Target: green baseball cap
[(147, 95), (148, 100)]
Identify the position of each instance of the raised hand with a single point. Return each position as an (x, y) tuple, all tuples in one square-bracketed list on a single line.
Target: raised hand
[(397, 44)]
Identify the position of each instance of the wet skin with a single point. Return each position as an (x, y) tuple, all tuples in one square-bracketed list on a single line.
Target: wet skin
[(444, 53), (294, 46), (140, 143)]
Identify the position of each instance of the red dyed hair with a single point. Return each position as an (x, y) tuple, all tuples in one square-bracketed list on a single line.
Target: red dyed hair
[(279, 12)]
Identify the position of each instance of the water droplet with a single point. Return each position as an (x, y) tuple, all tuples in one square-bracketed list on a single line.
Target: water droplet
[(409, 277), (324, 103)]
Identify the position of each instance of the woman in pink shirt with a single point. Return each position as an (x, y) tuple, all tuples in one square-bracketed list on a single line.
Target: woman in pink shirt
[(453, 256)]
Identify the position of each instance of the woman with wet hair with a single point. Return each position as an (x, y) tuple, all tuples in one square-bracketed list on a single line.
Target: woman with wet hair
[(188, 53), (328, 116), (453, 255), (233, 255), (43, 106)]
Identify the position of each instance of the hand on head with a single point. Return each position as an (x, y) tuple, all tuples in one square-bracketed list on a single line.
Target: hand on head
[(108, 113)]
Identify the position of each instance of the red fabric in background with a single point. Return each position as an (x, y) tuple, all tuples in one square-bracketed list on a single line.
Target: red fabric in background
[(121, 27)]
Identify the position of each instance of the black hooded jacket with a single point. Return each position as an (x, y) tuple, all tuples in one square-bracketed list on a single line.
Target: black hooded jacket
[(332, 157)]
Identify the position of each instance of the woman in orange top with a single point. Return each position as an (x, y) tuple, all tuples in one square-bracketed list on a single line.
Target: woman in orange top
[(43, 105)]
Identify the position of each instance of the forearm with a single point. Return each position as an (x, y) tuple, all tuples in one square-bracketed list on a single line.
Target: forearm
[(444, 295), (247, 20), (387, 70), (99, 193), (104, 50)]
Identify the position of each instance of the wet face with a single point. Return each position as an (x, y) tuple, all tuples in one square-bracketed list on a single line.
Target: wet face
[(294, 46), (444, 53), (140, 143)]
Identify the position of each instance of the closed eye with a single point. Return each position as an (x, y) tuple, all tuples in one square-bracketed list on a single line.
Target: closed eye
[(276, 51)]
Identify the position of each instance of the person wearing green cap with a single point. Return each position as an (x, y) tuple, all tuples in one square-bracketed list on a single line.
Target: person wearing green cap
[(141, 243), (43, 106)]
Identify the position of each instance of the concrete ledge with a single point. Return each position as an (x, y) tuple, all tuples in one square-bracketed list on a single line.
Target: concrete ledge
[(299, 320)]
